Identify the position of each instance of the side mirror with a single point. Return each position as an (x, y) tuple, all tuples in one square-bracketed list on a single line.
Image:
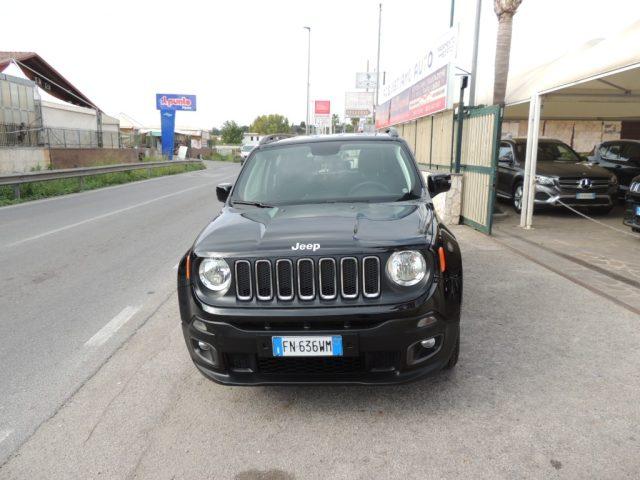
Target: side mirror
[(507, 160), (438, 183), (222, 191)]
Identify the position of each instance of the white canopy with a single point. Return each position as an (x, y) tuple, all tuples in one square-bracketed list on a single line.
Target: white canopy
[(600, 80)]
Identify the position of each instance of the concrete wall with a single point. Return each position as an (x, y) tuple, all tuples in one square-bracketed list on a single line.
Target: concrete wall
[(20, 160), (89, 157), (582, 135)]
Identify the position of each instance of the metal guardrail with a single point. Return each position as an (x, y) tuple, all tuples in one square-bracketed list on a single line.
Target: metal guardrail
[(18, 179)]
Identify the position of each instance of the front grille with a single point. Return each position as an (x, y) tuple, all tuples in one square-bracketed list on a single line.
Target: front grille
[(574, 183), (307, 278)]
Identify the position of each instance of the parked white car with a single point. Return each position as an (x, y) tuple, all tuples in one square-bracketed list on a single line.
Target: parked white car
[(245, 151)]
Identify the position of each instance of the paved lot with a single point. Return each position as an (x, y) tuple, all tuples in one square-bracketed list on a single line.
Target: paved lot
[(547, 387), (81, 264)]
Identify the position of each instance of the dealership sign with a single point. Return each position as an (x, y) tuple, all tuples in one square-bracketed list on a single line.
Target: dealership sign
[(171, 101), (358, 104), (168, 104), (441, 54)]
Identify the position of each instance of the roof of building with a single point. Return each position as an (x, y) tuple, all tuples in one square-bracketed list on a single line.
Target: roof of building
[(46, 77)]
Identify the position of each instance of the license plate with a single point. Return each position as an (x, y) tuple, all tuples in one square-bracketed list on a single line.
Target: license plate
[(586, 196), (316, 346)]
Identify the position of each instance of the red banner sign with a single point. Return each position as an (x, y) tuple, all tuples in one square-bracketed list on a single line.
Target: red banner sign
[(426, 97), (323, 107)]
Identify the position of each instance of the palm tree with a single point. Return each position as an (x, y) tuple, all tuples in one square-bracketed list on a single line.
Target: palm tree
[(505, 10)]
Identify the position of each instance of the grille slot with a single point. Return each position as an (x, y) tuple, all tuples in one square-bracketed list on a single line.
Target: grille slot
[(284, 279), (264, 281), (349, 269), (370, 277), (306, 284), (312, 366), (243, 280), (327, 267)]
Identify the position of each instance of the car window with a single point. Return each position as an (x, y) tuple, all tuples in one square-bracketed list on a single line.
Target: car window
[(329, 172), (631, 151), (612, 151), (506, 153), (556, 152)]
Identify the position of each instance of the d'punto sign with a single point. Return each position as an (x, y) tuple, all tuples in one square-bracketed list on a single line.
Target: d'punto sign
[(168, 104)]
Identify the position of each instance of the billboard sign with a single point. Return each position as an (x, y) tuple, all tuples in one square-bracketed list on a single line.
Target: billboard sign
[(168, 104), (172, 101), (440, 54), (358, 104), (322, 107), (426, 97), (366, 80)]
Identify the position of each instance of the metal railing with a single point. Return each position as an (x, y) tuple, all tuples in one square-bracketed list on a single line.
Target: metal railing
[(19, 135), (18, 179)]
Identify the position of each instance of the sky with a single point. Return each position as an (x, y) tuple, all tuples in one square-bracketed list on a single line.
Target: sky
[(241, 58), (247, 58)]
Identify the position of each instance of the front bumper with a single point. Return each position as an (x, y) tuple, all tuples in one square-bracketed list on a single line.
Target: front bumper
[(549, 196), (381, 345), (632, 213)]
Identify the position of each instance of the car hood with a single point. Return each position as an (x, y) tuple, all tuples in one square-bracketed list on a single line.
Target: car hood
[(334, 228), (566, 169)]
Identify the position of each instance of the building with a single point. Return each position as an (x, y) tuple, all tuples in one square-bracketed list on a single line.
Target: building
[(39, 133), (251, 138)]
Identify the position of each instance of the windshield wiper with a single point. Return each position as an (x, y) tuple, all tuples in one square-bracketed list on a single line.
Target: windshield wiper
[(255, 204)]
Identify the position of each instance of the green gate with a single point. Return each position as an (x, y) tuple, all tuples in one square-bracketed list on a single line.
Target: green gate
[(478, 165)]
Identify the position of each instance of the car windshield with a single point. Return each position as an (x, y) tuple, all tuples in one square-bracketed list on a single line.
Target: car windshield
[(551, 152), (323, 172)]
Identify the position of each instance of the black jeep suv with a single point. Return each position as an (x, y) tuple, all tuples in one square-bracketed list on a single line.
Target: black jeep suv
[(326, 264)]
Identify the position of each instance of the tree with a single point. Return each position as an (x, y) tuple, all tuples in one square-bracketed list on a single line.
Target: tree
[(231, 133), (505, 10), (267, 124), (335, 121)]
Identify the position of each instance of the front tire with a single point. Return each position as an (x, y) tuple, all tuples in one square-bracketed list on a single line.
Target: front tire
[(516, 199)]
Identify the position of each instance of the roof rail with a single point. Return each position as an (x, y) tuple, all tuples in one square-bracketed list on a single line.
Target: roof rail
[(392, 132), (274, 137)]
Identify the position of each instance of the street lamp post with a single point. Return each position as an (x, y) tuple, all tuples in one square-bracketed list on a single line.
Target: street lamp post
[(308, 78), (375, 106)]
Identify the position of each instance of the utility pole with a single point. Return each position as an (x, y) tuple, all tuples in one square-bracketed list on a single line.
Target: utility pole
[(308, 78), (474, 57), (378, 64)]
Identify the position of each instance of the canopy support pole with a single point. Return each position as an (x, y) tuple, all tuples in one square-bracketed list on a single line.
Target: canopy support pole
[(531, 160)]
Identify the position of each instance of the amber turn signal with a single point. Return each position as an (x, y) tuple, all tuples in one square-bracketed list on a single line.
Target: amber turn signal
[(443, 263)]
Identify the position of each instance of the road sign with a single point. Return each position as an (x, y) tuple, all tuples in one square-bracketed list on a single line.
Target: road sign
[(366, 80), (323, 107), (358, 104)]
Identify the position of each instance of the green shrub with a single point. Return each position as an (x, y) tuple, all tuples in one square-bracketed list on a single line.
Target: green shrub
[(52, 188)]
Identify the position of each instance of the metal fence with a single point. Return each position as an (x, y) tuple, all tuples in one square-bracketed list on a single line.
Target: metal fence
[(19, 135)]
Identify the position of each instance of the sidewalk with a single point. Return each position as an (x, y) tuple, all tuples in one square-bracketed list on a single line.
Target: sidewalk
[(547, 387)]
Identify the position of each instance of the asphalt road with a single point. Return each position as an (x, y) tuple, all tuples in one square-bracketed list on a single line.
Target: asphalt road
[(78, 275)]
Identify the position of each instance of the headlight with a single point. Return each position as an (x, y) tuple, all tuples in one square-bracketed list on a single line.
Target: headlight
[(215, 274), (542, 180), (406, 268), (613, 180)]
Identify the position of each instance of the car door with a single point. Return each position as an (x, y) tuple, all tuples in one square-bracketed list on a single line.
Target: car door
[(628, 164), (506, 169)]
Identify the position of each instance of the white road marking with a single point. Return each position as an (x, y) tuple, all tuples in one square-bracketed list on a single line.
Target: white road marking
[(112, 327), (104, 215), (4, 434)]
